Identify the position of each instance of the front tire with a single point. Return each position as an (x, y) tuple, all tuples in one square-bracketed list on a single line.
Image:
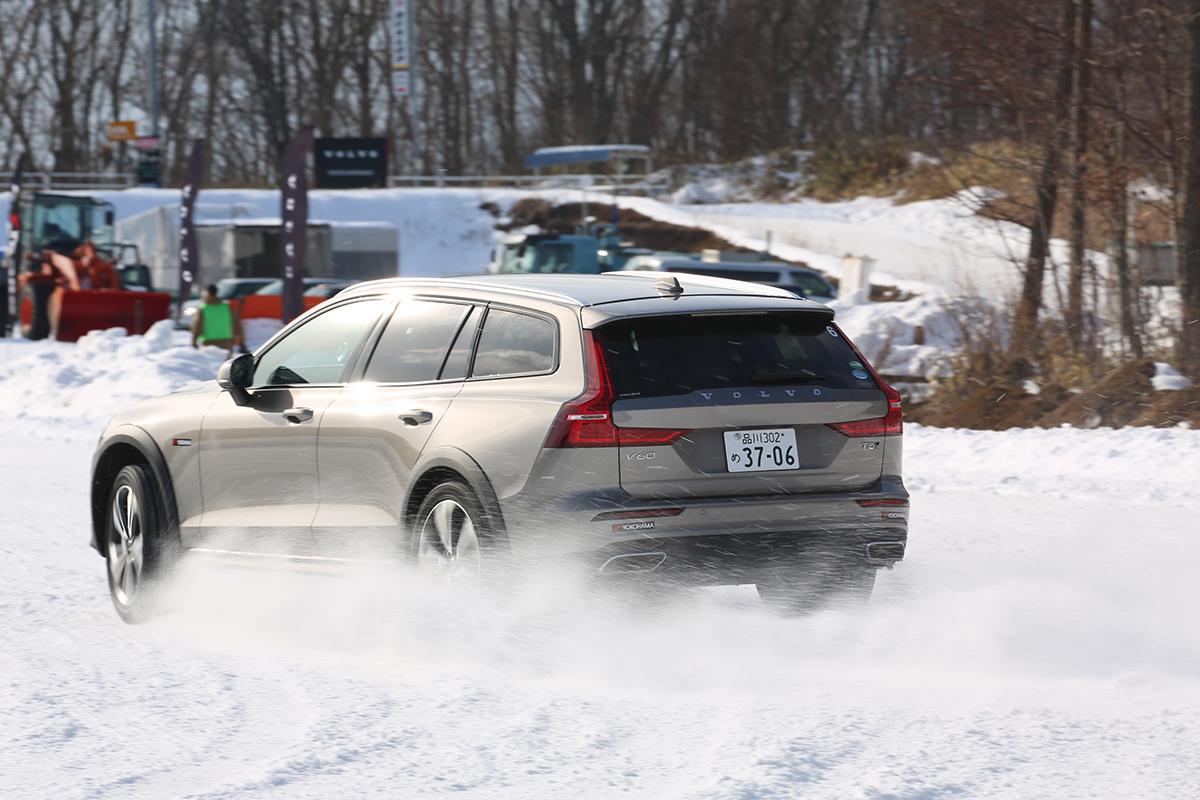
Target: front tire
[(819, 586), (136, 547), (35, 310)]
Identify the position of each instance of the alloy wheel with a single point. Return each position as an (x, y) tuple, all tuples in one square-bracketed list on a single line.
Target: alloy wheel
[(126, 560), (449, 541)]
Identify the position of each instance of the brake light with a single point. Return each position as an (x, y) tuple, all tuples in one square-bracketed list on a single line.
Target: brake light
[(586, 421), (877, 502)]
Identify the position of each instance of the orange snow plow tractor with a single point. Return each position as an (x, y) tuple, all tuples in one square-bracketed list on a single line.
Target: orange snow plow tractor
[(69, 283)]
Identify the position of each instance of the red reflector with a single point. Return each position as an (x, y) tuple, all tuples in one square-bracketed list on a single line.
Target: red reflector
[(882, 501), (645, 437), (645, 513)]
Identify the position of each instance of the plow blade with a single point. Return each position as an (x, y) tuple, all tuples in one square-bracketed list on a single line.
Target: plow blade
[(80, 311)]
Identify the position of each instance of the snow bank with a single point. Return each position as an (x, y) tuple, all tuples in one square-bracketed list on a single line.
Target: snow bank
[(1168, 379), (917, 337), (1134, 465), (73, 389)]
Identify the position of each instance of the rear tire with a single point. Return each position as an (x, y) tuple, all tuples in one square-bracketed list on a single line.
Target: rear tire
[(37, 295), (823, 585), (452, 535), (137, 548)]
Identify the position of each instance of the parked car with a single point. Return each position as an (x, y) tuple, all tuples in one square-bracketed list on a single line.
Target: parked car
[(267, 302), (802, 281), (667, 428), (227, 289)]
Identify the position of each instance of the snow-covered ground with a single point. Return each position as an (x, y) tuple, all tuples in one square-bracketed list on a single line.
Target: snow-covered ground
[(1039, 641)]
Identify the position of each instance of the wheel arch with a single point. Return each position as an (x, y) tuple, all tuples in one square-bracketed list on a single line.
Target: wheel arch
[(129, 445), (450, 463)]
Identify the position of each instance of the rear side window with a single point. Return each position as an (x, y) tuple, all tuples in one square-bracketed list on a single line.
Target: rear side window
[(673, 355), (414, 343), (512, 343)]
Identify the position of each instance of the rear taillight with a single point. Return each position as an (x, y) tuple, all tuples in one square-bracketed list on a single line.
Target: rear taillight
[(586, 421), (890, 425), (879, 502)]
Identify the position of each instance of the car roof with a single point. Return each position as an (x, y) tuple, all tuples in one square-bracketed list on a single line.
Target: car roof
[(610, 294)]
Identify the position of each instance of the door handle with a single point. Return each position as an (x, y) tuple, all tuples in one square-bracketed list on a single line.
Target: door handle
[(298, 415), (416, 417)]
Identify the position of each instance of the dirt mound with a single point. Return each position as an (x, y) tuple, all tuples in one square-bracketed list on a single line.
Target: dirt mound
[(638, 229)]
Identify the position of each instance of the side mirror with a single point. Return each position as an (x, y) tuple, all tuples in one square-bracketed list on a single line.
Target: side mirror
[(236, 374)]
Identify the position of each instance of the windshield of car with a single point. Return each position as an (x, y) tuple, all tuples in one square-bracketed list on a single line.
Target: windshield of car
[(810, 284), (678, 354), (324, 289), (276, 286), (552, 257), (227, 289)]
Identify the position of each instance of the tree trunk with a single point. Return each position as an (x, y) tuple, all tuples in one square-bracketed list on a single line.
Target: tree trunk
[(1189, 265), (1025, 333), (1079, 113)]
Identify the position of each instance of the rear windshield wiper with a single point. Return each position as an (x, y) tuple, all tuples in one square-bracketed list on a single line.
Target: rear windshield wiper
[(785, 376)]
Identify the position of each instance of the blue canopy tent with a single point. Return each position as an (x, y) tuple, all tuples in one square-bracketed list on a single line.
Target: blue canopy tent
[(586, 154)]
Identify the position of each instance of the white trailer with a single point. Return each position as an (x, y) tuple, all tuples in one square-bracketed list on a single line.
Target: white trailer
[(233, 244)]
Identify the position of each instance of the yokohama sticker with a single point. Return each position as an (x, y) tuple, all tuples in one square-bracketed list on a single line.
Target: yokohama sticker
[(622, 527)]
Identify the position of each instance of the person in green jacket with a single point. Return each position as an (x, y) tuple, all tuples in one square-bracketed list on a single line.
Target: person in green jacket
[(216, 324)]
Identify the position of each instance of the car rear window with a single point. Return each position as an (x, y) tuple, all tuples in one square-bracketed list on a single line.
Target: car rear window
[(678, 354)]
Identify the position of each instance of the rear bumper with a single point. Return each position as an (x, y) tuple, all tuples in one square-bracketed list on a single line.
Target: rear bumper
[(747, 558), (718, 539)]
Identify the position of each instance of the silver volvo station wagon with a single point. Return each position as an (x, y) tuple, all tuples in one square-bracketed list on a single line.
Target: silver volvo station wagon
[(664, 428)]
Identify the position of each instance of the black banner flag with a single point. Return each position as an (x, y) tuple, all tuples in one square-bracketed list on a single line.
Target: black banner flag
[(189, 253), (294, 214), (10, 268)]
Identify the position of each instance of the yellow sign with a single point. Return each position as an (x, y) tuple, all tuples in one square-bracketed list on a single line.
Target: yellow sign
[(122, 130)]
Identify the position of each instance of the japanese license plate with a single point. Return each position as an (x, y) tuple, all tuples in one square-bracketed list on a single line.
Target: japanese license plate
[(761, 450)]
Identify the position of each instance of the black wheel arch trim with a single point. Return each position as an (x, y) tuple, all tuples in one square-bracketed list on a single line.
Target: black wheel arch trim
[(458, 461), (144, 444)]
